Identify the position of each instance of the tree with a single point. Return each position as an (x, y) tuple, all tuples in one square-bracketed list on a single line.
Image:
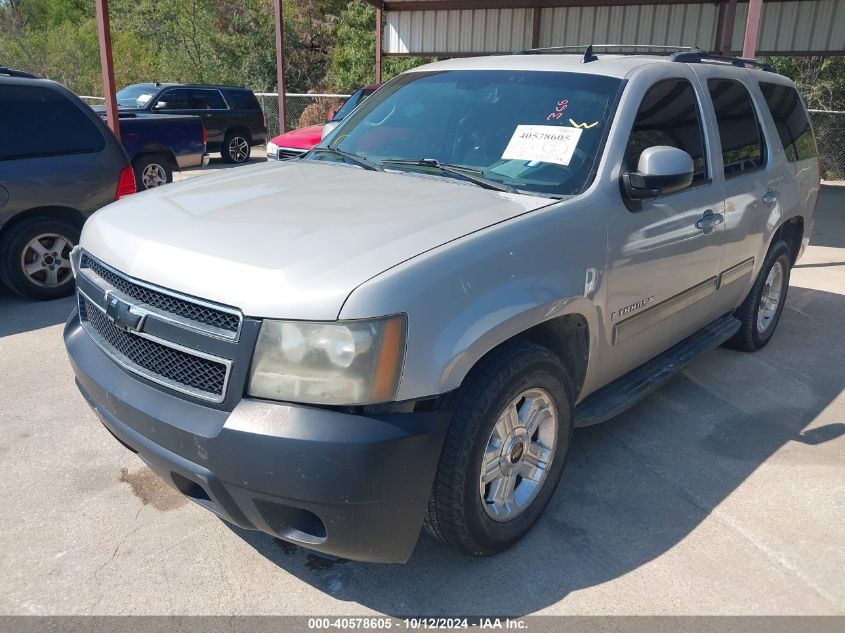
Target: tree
[(353, 55), (821, 80)]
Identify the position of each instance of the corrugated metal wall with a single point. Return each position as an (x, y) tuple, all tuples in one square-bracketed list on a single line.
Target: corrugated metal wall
[(787, 26), (665, 25), (478, 30), (796, 26)]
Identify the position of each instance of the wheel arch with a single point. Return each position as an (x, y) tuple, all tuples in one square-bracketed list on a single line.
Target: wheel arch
[(52, 212), (156, 149), (568, 334), (791, 231), (239, 129)]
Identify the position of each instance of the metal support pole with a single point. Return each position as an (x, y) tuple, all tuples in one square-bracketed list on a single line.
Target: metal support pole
[(107, 66), (280, 63), (752, 28), (728, 28), (535, 27), (378, 44)]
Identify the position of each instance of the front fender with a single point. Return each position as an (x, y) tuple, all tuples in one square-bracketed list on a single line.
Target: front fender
[(468, 296)]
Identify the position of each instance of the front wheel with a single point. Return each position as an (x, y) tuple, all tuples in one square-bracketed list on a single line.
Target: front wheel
[(504, 451), (35, 258)]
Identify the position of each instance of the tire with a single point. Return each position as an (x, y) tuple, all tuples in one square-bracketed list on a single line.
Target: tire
[(29, 245), (236, 148), (457, 514), (758, 327), (152, 170)]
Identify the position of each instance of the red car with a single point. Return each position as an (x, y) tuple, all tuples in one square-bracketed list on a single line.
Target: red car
[(296, 142)]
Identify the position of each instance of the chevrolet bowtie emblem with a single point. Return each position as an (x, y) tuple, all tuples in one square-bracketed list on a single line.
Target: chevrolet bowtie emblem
[(122, 314)]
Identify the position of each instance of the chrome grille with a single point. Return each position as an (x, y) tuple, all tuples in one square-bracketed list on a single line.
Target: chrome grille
[(182, 370), (285, 153), (167, 303)]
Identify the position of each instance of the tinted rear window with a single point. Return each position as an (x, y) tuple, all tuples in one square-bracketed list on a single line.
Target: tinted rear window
[(243, 100), (743, 149), (39, 121), (202, 99), (791, 121)]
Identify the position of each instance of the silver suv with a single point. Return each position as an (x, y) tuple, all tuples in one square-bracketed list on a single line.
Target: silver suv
[(404, 326)]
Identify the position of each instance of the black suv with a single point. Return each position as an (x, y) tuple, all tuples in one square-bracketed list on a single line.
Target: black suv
[(233, 119)]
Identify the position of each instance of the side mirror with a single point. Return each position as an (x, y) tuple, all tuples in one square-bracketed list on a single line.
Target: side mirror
[(160, 105), (330, 115), (661, 170)]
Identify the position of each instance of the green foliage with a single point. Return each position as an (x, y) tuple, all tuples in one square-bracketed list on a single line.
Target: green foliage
[(355, 48), (329, 44), (821, 80)]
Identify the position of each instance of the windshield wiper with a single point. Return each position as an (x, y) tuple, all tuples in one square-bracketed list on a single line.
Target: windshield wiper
[(467, 173), (352, 158)]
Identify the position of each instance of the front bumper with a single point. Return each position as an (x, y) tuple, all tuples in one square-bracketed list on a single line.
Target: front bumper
[(345, 485)]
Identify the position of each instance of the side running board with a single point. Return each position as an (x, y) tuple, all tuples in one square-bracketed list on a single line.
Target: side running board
[(627, 390)]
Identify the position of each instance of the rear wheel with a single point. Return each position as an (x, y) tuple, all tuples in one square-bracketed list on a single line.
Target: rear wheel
[(504, 451), (35, 258), (152, 170), (236, 148), (761, 310)]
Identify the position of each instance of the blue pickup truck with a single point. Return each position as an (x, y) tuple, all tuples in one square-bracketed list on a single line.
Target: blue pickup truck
[(159, 144)]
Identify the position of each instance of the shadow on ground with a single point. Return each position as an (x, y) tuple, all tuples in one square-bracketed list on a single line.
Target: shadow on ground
[(829, 217), (634, 487), (23, 315)]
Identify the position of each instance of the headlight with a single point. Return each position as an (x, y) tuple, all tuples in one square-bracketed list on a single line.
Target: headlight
[(339, 363), (272, 150)]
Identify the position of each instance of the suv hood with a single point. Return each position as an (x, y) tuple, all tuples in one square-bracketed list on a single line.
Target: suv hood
[(288, 239)]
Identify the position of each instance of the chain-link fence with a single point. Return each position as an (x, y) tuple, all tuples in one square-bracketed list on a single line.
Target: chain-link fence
[(300, 109), (92, 101), (311, 109), (829, 128)]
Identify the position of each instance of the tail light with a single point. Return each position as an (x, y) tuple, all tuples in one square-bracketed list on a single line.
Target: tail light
[(204, 136), (125, 183)]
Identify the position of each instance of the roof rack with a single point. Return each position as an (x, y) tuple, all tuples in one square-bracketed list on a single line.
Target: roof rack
[(697, 56), (582, 47), (8, 72)]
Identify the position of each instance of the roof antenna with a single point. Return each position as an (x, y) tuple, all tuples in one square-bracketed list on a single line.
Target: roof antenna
[(588, 55)]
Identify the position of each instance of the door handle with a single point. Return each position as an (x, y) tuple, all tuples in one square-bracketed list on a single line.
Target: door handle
[(770, 197), (709, 220)]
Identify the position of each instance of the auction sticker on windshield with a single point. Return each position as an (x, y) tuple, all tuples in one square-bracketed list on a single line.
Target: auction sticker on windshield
[(543, 143)]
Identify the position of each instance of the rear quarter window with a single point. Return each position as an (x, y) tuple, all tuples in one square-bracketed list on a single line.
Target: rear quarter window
[(40, 121), (243, 100), (791, 121), (743, 148)]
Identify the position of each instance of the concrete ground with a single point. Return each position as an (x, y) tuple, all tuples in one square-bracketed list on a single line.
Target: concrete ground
[(722, 493)]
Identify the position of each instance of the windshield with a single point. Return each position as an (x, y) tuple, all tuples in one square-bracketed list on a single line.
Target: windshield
[(349, 105), (538, 132), (135, 96)]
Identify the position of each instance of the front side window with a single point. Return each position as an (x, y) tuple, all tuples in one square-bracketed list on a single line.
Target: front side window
[(791, 121), (668, 115), (175, 99), (536, 131), (38, 121), (135, 96), (739, 131)]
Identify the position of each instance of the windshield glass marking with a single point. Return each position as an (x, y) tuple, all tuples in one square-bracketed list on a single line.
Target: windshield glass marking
[(466, 119), (543, 144)]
